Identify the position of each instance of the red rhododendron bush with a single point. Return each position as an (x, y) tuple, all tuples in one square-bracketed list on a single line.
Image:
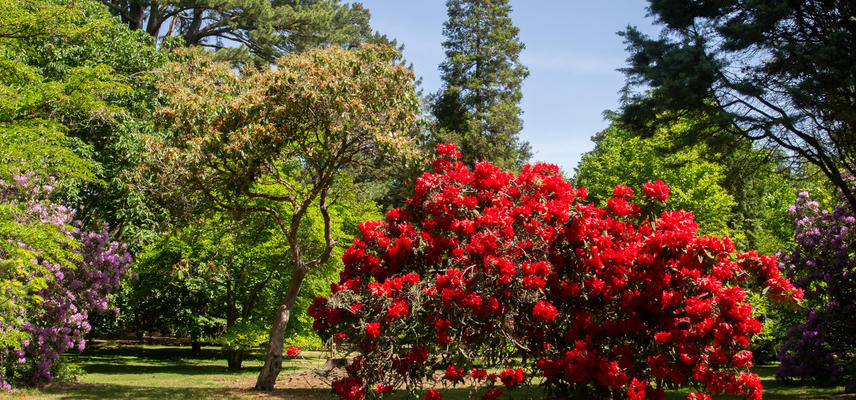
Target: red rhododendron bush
[(484, 269)]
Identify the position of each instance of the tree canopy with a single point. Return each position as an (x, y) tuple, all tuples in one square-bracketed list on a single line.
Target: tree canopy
[(261, 29), (742, 195), (780, 73), (277, 141)]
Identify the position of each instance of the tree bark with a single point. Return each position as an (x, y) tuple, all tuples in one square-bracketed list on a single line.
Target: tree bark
[(136, 16), (273, 359), (195, 344), (234, 357)]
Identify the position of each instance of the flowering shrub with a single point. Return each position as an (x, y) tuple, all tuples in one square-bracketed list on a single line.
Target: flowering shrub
[(484, 266), (55, 315), (822, 264)]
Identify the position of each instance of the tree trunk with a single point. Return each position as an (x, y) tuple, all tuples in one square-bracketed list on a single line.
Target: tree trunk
[(234, 358), (273, 359), (195, 344), (135, 21)]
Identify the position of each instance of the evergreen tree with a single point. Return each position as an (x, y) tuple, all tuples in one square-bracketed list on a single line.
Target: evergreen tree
[(262, 29), (776, 72), (478, 107)]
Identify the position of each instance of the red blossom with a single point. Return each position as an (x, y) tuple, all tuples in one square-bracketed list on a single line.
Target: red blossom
[(545, 312), (511, 377), (448, 150), (656, 190), (383, 389), (454, 374), (478, 374), (350, 388), (483, 254), (492, 394), (293, 351), (372, 330), (433, 395)]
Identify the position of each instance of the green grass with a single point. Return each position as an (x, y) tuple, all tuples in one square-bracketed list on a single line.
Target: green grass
[(167, 372), (164, 372)]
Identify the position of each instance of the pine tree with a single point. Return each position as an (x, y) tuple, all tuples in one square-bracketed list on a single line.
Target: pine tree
[(478, 107), (779, 73), (250, 30)]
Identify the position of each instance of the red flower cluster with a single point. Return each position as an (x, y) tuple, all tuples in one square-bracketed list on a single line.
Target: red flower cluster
[(511, 377), (454, 374), (656, 190), (433, 395), (292, 351), (487, 265), (544, 311)]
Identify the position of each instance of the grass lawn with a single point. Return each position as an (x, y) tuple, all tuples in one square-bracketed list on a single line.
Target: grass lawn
[(166, 372)]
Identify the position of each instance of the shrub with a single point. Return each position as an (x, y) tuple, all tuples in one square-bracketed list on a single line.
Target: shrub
[(484, 267), (53, 316), (822, 262)]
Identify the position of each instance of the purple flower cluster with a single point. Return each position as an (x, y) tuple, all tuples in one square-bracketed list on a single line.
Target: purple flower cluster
[(823, 264), (58, 320)]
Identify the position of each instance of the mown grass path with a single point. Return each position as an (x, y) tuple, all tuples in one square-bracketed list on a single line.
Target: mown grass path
[(113, 371)]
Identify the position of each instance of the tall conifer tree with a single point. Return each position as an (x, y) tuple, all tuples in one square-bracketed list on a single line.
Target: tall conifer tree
[(478, 107)]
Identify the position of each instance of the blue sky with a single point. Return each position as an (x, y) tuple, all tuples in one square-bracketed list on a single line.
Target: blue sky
[(572, 52)]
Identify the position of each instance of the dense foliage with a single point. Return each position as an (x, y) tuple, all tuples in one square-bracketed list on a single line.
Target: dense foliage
[(743, 195), (52, 315), (484, 266), (619, 158), (765, 70), (260, 30), (278, 142), (76, 91), (479, 105), (222, 278), (822, 264)]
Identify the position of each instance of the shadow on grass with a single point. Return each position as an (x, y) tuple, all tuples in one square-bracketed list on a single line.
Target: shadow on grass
[(97, 391), (165, 353), (113, 368), (166, 372)]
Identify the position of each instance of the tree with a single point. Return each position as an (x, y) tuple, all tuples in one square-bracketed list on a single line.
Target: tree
[(695, 185), (779, 73), (76, 81), (742, 194), (221, 277), (484, 267), (263, 29), (478, 107), (39, 101), (37, 104), (277, 139)]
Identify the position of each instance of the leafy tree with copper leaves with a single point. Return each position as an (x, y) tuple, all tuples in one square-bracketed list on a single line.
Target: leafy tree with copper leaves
[(483, 267), (479, 105), (776, 72), (277, 141)]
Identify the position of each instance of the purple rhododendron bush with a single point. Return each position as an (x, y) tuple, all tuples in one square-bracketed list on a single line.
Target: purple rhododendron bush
[(52, 315), (498, 280), (823, 264)]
